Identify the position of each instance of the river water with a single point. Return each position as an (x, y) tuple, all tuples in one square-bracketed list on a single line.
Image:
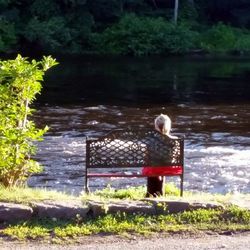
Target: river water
[(207, 100)]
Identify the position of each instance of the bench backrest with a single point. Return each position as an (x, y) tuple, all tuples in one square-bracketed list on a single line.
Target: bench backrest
[(134, 148)]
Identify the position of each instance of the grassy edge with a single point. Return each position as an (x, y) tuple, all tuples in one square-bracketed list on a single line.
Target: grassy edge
[(25, 195), (231, 219)]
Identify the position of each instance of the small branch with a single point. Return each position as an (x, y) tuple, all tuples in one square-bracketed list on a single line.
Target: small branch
[(26, 113)]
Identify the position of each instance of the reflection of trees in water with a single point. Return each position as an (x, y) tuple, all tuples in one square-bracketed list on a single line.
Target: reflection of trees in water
[(150, 80)]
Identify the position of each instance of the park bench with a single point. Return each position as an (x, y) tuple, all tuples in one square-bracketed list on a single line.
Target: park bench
[(134, 153)]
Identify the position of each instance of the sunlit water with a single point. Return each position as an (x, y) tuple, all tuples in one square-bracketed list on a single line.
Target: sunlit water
[(217, 144)]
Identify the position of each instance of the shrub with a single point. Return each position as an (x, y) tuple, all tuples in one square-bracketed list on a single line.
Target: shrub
[(7, 35), (20, 82), (51, 34), (144, 36), (243, 43), (219, 38)]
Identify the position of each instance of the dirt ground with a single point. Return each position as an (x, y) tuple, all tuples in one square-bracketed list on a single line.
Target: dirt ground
[(199, 241)]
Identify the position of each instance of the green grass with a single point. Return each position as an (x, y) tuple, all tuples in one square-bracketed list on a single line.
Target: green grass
[(133, 193), (171, 193), (232, 219), (26, 195)]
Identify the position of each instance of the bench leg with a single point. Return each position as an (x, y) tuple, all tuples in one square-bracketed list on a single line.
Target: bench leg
[(182, 179), (86, 184)]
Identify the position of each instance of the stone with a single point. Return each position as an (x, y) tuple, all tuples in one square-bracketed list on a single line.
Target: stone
[(205, 205), (128, 207), (163, 206), (66, 210), (75, 209), (131, 207), (97, 208), (11, 212)]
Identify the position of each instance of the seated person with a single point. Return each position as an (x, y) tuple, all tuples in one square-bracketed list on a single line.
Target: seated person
[(155, 184)]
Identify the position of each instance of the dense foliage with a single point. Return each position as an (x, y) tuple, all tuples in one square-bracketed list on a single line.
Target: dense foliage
[(146, 36), (20, 82), (138, 27)]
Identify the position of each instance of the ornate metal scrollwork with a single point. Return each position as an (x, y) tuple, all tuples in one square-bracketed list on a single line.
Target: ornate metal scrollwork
[(134, 148)]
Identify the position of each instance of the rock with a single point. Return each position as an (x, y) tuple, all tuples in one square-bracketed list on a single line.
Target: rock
[(97, 208), (163, 206), (205, 205), (132, 207), (147, 206), (10, 212), (74, 209), (60, 209), (129, 207)]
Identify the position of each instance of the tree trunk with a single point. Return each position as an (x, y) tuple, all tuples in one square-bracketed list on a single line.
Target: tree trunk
[(155, 186), (176, 8)]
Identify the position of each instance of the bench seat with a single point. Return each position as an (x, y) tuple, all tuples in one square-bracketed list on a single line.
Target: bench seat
[(146, 172)]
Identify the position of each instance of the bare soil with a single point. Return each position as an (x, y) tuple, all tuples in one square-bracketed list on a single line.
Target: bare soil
[(181, 241)]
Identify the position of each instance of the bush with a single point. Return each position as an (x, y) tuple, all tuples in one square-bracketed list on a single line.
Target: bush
[(20, 82), (7, 35), (243, 42), (134, 35), (48, 34), (219, 38)]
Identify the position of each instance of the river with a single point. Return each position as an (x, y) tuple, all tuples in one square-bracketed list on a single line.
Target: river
[(208, 100)]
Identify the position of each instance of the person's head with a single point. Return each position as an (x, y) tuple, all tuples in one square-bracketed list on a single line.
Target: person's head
[(163, 124)]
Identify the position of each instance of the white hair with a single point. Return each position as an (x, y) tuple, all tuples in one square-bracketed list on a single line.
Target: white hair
[(163, 125)]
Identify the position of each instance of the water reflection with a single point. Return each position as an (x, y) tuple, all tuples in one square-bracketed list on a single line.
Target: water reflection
[(137, 81)]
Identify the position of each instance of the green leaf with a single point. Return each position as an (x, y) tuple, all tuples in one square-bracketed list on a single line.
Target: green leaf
[(20, 82)]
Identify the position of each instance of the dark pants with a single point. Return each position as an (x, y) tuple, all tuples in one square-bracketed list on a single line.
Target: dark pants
[(155, 186)]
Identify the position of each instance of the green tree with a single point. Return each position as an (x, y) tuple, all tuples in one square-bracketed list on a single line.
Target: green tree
[(219, 38), (134, 35), (7, 35), (58, 26), (67, 26), (20, 82)]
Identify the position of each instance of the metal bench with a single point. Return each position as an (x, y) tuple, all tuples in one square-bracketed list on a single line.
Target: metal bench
[(129, 153)]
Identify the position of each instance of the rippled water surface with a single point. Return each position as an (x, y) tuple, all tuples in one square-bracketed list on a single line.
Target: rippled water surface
[(209, 107)]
